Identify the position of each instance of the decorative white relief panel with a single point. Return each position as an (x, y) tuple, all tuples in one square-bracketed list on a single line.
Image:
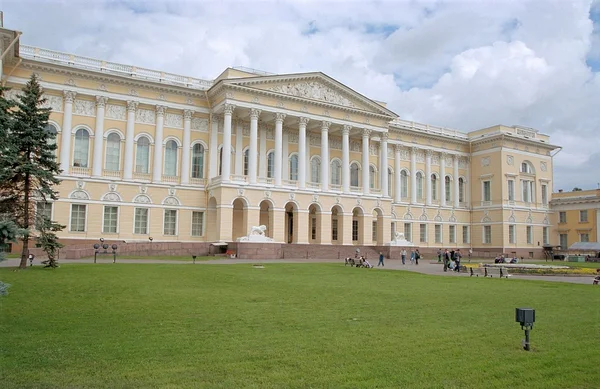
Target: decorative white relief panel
[(463, 163), (173, 120), (199, 124), (84, 107), (355, 145), (118, 112), (335, 143), (293, 137), (543, 166), (420, 156), (510, 160), (435, 160), (373, 149), (485, 161), (315, 140), (146, 116), (313, 90), (449, 162)]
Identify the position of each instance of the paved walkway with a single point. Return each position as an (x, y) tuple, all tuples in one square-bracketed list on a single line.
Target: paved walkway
[(424, 267)]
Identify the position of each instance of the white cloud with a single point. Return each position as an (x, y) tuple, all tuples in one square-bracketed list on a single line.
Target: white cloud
[(460, 64)]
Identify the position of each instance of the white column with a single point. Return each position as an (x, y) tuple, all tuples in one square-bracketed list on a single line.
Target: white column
[(157, 166), (278, 146), (455, 182), (239, 145), (185, 152), (302, 122), (285, 169), (443, 179), (213, 146), (428, 176), (325, 155), (468, 184), (397, 168), (262, 160), (346, 158), (226, 162), (384, 164), (413, 175), (365, 161), (99, 136), (65, 143), (252, 153), (129, 141)]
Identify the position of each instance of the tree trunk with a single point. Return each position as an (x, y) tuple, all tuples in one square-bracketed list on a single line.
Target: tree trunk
[(25, 225)]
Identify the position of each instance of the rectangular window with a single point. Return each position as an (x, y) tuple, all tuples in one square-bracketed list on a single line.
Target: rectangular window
[(197, 223), (374, 232), (140, 221), (452, 234), (529, 235), (487, 191), (111, 215), (44, 211), (487, 234), (545, 236), (313, 228), (511, 190), (583, 216), (355, 230), (393, 231), (438, 233), (563, 241), (545, 194), (584, 237), (334, 230), (170, 226), (528, 188), (512, 234), (423, 233), (562, 217), (466, 238), (408, 231), (78, 217)]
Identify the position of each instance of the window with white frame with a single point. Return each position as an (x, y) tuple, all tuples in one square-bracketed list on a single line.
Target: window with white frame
[(315, 169), (140, 221), (111, 216), (563, 241), (438, 233), (171, 158), (197, 223), (43, 210), (529, 235), (294, 167), (354, 174), (419, 185), (78, 217), (527, 167), (461, 190), (271, 164), (528, 187), (372, 177), (423, 233), (313, 227), (246, 160), (487, 191), (404, 184), (512, 234), (374, 230), (81, 150), (170, 223), (487, 234), (448, 188), (545, 236), (583, 216), (142, 155), (562, 217), (452, 234), (336, 172), (393, 231), (584, 237), (355, 230), (113, 152), (334, 230), (511, 190), (466, 237), (544, 194), (408, 231), (198, 161), (434, 186)]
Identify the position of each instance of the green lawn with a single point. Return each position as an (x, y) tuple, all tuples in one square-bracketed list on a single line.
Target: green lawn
[(289, 326)]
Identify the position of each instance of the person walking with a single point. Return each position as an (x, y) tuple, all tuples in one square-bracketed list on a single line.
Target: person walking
[(403, 256), (380, 260), (470, 253), (412, 256), (439, 254), (457, 257), (417, 256), (445, 258)]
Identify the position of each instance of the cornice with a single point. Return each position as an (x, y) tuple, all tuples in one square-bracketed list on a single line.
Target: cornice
[(502, 137), (409, 132)]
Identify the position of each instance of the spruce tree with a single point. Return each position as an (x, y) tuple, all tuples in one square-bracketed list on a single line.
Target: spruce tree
[(30, 174)]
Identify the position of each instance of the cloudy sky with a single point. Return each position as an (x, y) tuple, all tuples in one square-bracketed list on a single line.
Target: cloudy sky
[(460, 64)]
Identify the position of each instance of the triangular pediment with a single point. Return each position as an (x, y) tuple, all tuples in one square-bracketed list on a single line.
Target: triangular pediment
[(315, 87)]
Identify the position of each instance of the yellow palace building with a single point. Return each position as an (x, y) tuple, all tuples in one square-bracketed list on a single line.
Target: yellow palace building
[(189, 162)]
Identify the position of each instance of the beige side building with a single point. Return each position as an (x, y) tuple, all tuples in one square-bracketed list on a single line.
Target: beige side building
[(150, 154), (576, 216)]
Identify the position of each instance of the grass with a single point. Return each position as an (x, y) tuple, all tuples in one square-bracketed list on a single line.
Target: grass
[(289, 326)]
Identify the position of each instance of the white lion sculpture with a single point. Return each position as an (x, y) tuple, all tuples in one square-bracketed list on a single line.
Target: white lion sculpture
[(399, 235), (260, 230)]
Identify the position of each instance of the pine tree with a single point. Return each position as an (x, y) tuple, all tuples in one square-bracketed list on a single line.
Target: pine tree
[(30, 173), (48, 240)]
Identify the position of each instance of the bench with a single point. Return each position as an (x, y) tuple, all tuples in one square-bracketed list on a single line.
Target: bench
[(489, 271)]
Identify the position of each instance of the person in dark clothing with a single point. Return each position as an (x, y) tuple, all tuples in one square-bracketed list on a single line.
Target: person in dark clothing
[(457, 257), (417, 256), (380, 259)]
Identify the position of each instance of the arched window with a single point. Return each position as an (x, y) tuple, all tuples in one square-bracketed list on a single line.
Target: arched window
[(142, 155), (171, 158), (51, 129), (390, 182), (420, 185), (246, 159), (82, 148), (354, 174), (336, 172), (527, 167), (315, 169), (372, 177), (434, 191), (271, 164), (198, 161), (113, 152), (294, 167), (448, 189), (403, 184), (461, 190)]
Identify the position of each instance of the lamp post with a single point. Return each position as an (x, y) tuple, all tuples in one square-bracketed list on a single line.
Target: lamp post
[(526, 317)]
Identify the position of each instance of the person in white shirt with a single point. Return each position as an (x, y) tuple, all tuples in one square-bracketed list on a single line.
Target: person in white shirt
[(403, 256)]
